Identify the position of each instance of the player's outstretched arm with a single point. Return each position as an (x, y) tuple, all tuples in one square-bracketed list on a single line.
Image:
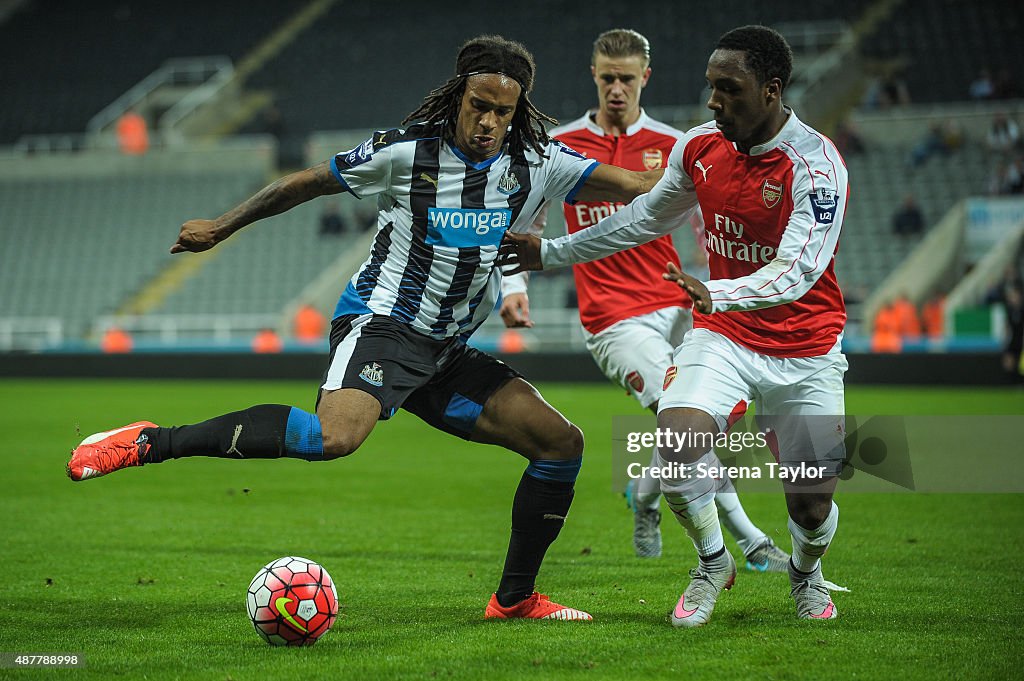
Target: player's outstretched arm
[(609, 183), (279, 196)]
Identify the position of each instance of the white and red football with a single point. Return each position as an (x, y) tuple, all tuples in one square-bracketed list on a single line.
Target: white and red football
[(292, 602)]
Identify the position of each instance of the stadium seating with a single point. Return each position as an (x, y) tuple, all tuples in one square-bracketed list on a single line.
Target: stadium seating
[(879, 182), (107, 237), (73, 59), (378, 87), (76, 248), (262, 268), (947, 42)]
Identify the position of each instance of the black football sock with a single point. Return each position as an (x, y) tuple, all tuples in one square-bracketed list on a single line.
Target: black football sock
[(254, 433), (538, 513), (712, 557), (799, 573)]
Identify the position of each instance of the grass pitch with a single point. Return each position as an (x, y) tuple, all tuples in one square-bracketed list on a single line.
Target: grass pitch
[(144, 572)]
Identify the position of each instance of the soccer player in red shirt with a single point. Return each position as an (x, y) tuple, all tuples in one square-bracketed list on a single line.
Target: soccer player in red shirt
[(632, 330), (773, 194)]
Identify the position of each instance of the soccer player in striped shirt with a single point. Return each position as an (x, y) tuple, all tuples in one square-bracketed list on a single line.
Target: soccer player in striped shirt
[(632, 330), (769, 322), (476, 163)]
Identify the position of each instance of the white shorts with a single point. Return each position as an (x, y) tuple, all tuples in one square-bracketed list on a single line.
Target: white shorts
[(801, 399), (636, 352)]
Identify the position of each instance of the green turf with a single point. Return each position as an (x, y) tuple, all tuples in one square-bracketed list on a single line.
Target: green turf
[(144, 572)]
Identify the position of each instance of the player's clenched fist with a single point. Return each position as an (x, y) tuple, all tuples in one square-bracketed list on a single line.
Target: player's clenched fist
[(196, 236)]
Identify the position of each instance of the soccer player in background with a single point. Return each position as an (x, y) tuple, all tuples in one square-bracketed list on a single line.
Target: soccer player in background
[(768, 323), (631, 330), (476, 162)]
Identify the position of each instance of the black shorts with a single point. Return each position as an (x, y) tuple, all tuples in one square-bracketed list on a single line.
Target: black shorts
[(444, 382)]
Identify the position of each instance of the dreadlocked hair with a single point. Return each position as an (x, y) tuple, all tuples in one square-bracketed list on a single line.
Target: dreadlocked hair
[(489, 54)]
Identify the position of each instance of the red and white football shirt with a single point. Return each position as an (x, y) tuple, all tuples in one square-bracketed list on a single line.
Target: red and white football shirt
[(772, 223), (627, 283)]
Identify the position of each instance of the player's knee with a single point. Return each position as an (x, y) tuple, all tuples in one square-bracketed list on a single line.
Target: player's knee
[(808, 510), (566, 443), (689, 434), (573, 445), (338, 445)]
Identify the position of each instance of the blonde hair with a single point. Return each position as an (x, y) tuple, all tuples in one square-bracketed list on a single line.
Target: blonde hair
[(622, 42)]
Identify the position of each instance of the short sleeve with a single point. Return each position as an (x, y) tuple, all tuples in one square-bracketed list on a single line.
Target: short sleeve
[(566, 171), (365, 170)]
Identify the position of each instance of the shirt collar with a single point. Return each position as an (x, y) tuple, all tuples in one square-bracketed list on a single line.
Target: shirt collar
[(591, 124), (786, 133), (472, 164)]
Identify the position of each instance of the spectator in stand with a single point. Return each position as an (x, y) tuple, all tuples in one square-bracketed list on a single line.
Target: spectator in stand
[(982, 87), (887, 91), (997, 181), (933, 317), (1015, 176), (267, 341), (885, 336), (894, 90), (132, 133), (908, 220), (511, 342), (331, 222), (1004, 134), (1010, 292), (1008, 178), (309, 325), (116, 341), (907, 322), (942, 138)]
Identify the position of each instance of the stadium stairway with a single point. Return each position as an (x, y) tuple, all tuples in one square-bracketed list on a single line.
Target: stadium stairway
[(76, 248), (261, 269)]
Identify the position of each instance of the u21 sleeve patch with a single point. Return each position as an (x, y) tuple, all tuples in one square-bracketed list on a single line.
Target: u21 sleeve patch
[(823, 203), (566, 149), (357, 156)]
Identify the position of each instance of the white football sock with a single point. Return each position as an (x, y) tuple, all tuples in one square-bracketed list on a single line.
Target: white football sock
[(734, 517), (648, 488), (810, 545), (690, 499)]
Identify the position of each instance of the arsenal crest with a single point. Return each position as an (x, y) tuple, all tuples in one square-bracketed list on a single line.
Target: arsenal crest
[(652, 159), (670, 376), (635, 381), (771, 192)]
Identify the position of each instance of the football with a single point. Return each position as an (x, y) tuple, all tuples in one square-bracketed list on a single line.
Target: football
[(292, 602)]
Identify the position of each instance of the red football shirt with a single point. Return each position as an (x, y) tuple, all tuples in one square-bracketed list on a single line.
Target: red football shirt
[(772, 223), (628, 283)]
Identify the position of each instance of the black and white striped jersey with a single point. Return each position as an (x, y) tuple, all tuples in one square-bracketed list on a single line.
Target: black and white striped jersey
[(440, 220)]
